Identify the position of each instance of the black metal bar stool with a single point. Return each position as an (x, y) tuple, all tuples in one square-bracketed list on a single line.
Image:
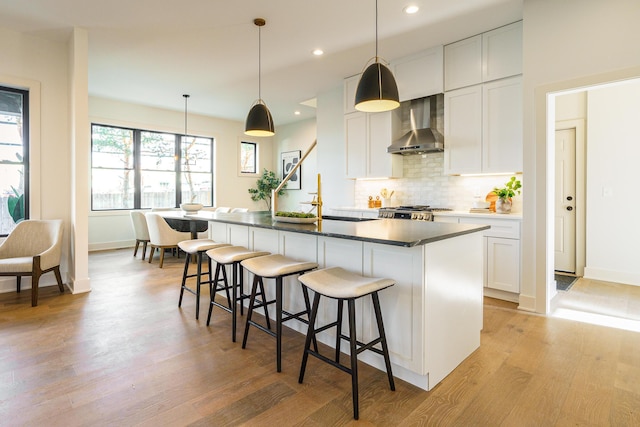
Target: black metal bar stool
[(275, 267), (231, 255), (197, 248), (343, 285)]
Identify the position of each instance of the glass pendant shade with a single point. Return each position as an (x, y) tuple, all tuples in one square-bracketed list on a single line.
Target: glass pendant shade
[(259, 121), (377, 90)]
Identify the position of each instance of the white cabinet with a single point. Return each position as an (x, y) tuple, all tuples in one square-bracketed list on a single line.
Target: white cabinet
[(350, 87), (502, 52), (367, 136), (490, 56), (502, 253), (419, 75), (463, 63), (483, 128), (502, 126)]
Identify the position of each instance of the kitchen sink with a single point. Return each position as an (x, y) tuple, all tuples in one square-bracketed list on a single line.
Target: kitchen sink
[(347, 218)]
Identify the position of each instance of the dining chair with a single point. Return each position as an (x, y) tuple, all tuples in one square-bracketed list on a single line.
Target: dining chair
[(162, 236), (33, 248), (239, 210), (223, 209), (141, 232)]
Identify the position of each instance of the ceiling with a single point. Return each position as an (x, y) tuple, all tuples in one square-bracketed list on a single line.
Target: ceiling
[(151, 52)]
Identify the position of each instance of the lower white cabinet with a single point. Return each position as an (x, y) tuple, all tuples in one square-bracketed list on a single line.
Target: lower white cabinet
[(502, 253)]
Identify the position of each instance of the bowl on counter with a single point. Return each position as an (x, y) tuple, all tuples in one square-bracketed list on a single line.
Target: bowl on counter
[(478, 204)]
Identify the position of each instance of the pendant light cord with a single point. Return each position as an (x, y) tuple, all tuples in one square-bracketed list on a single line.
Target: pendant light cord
[(377, 59), (260, 62)]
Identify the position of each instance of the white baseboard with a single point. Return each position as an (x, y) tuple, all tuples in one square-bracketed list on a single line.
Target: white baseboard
[(104, 246), (8, 283), (624, 277)]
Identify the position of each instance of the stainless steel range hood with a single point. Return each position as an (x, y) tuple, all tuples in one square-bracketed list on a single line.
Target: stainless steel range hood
[(422, 119)]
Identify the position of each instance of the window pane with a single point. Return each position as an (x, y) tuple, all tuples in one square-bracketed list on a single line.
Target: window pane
[(196, 188), (158, 151), (158, 189), (111, 147), (112, 189), (13, 158), (196, 154), (248, 157)]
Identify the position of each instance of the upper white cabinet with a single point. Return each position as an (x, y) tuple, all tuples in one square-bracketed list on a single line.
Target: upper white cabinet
[(502, 52), (483, 128), (367, 136), (463, 63), (493, 55), (502, 126), (419, 75), (350, 87)]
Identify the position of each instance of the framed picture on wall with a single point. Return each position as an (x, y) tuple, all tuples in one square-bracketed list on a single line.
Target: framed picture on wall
[(289, 160)]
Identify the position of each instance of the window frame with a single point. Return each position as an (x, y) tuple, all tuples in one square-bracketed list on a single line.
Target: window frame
[(26, 144), (138, 170)]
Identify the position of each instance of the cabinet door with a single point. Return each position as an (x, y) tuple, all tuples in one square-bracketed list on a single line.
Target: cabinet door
[(419, 75), (502, 52), (463, 130), (355, 128), (463, 63), (350, 86), (380, 134), (502, 126), (503, 264)]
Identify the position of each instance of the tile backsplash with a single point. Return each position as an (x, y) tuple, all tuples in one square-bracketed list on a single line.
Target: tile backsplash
[(424, 183)]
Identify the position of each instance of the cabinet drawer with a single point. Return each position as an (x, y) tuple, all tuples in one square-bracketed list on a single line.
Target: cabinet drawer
[(499, 227)]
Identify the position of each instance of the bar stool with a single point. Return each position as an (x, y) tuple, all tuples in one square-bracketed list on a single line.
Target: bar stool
[(343, 285), (231, 255), (196, 247), (275, 267)]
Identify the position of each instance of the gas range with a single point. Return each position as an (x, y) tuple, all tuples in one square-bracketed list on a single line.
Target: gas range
[(419, 213)]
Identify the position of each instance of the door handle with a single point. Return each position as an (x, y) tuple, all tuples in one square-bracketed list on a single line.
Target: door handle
[(569, 208), (569, 198)]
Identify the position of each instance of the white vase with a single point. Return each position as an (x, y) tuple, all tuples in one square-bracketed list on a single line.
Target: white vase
[(503, 206)]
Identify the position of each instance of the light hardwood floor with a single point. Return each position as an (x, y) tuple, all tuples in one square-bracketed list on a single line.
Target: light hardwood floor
[(124, 354)]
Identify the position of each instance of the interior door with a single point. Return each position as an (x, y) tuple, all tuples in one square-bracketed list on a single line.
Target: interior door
[(565, 203)]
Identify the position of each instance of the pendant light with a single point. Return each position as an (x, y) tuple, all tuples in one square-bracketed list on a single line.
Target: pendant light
[(377, 89), (259, 121)]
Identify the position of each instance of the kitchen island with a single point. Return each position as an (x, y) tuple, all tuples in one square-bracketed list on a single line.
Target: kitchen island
[(432, 315)]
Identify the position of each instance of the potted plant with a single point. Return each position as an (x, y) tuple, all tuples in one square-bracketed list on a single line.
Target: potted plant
[(510, 189), (267, 182)]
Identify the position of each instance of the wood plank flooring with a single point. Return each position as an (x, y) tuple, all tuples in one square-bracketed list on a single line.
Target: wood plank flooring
[(125, 354)]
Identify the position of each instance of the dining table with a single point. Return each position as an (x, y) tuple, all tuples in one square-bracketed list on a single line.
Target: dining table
[(181, 221)]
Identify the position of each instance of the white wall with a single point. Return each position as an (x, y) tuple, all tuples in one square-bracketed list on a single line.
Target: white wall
[(230, 189), (41, 66), (567, 44), (298, 136), (612, 184)]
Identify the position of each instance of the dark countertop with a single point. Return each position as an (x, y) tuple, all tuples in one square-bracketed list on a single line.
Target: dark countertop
[(397, 232)]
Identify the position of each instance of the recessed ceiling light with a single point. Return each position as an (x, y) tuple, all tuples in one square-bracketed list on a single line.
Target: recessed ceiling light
[(409, 10), (297, 113), (317, 52)]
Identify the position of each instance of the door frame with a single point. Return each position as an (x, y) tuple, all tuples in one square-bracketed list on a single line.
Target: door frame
[(581, 189)]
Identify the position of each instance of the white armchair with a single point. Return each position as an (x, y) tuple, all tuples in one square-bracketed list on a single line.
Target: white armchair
[(162, 236), (33, 248), (141, 231)]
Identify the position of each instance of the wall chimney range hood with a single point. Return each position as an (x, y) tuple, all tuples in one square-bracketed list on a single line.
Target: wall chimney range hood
[(422, 121)]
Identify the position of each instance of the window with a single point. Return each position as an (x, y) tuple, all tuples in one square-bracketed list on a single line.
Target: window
[(14, 158), (248, 157), (134, 169)]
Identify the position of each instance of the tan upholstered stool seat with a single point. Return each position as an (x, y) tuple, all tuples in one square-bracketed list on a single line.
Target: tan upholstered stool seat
[(197, 245), (230, 255), (197, 248), (276, 265), (337, 282)]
